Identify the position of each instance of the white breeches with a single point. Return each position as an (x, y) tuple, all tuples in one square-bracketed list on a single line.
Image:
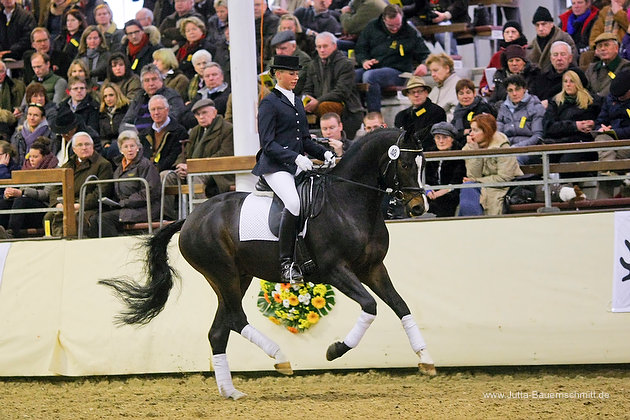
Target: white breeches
[(283, 184)]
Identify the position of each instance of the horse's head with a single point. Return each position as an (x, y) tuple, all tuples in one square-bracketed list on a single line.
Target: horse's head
[(402, 174)]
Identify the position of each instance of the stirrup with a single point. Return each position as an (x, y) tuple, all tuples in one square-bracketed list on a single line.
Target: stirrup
[(291, 271)]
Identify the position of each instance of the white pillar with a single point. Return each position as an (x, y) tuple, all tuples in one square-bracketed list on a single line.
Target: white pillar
[(244, 84)]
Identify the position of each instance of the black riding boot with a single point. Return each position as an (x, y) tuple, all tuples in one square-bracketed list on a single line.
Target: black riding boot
[(289, 271)]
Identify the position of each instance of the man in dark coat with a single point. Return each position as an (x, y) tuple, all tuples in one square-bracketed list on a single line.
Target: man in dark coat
[(330, 87), (14, 29), (387, 47), (319, 18), (422, 114), (162, 141), (139, 44), (40, 42)]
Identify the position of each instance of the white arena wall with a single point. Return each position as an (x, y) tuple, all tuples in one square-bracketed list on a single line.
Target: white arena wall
[(499, 291)]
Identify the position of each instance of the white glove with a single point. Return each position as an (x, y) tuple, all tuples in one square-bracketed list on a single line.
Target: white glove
[(329, 159), (303, 163)]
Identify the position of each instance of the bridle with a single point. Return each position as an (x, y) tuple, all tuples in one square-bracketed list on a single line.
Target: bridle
[(394, 153)]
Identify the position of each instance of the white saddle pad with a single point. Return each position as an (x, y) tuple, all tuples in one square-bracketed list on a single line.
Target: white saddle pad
[(254, 219)]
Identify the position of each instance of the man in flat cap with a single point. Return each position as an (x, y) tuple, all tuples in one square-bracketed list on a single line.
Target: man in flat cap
[(284, 43), (601, 73), (212, 137)]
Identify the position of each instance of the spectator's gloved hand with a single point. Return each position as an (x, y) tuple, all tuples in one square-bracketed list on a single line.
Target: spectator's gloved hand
[(304, 163), (329, 159)]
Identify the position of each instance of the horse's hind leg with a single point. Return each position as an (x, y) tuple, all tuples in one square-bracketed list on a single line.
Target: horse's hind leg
[(381, 284)]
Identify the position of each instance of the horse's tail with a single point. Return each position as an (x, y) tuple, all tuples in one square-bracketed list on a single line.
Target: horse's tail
[(145, 302)]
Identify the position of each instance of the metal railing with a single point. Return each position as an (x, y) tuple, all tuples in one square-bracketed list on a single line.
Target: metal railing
[(93, 180), (544, 151)]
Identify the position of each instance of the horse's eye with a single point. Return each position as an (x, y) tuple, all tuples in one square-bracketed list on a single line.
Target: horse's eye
[(405, 165)]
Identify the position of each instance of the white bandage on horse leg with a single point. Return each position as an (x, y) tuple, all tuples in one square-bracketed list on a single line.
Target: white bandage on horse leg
[(222, 375), (356, 333), (270, 348), (413, 333)]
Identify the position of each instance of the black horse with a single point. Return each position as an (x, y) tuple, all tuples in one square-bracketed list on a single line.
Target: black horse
[(348, 240)]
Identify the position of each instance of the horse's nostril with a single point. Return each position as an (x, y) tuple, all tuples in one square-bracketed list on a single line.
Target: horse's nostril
[(417, 210)]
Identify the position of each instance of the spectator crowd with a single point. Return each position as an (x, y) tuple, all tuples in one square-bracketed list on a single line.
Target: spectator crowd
[(142, 99)]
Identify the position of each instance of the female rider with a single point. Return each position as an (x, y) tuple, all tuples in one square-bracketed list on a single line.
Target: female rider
[(284, 137)]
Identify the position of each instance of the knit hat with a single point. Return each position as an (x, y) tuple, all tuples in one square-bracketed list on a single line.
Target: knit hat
[(513, 24), (445, 128), (514, 51), (542, 15), (620, 85)]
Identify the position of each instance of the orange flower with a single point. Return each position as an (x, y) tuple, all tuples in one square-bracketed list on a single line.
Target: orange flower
[(293, 330), (318, 302), (267, 297), (293, 300), (285, 286), (312, 317), (277, 298)]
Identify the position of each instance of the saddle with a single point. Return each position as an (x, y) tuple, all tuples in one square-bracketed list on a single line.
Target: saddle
[(310, 188)]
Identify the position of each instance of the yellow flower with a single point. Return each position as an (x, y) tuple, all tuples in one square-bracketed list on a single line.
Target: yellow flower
[(318, 302), (275, 320), (312, 317), (293, 300), (304, 324), (320, 289)]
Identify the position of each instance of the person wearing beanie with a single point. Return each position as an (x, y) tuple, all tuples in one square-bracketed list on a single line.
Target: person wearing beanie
[(513, 61), (601, 73), (549, 83), (539, 52), (578, 21), (443, 202), (512, 35)]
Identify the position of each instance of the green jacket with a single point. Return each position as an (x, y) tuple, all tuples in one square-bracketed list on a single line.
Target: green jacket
[(11, 94), (363, 11)]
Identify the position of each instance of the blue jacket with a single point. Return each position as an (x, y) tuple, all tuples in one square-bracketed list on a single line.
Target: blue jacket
[(284, 134), (615, 113)]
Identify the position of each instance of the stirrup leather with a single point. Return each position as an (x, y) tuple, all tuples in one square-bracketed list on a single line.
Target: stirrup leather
[(290, 273)]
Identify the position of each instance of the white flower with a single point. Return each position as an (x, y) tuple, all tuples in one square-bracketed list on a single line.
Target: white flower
[(286, 303), (278, 287)]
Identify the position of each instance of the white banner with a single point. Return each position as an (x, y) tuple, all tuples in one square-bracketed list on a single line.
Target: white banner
[(4, 251), (621, 267)]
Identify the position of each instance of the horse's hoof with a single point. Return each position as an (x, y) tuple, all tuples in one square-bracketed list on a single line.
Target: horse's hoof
[(336, 350), (237, 395), (427, 369), (284, 368)]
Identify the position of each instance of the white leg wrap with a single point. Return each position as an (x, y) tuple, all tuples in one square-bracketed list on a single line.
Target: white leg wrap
[(222, 375), (356, 333), (413, 333), (270, 348)]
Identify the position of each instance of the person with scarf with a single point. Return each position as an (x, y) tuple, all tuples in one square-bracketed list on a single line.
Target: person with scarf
[(215, 88), (139, 44), (69, 39), (578, 22), (194, 30), (512, 35), (36, 93), (39, 157), (119, 73), (442, 70), (199, 60), (612, 19), (94, 52), (35, 126), (469, 105), (113, 35)]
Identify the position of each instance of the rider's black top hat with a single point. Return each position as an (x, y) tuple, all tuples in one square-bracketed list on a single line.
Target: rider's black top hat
[(285, 62)]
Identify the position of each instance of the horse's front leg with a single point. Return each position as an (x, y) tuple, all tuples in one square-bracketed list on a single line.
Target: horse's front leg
[(380, 282), (348, 284)]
